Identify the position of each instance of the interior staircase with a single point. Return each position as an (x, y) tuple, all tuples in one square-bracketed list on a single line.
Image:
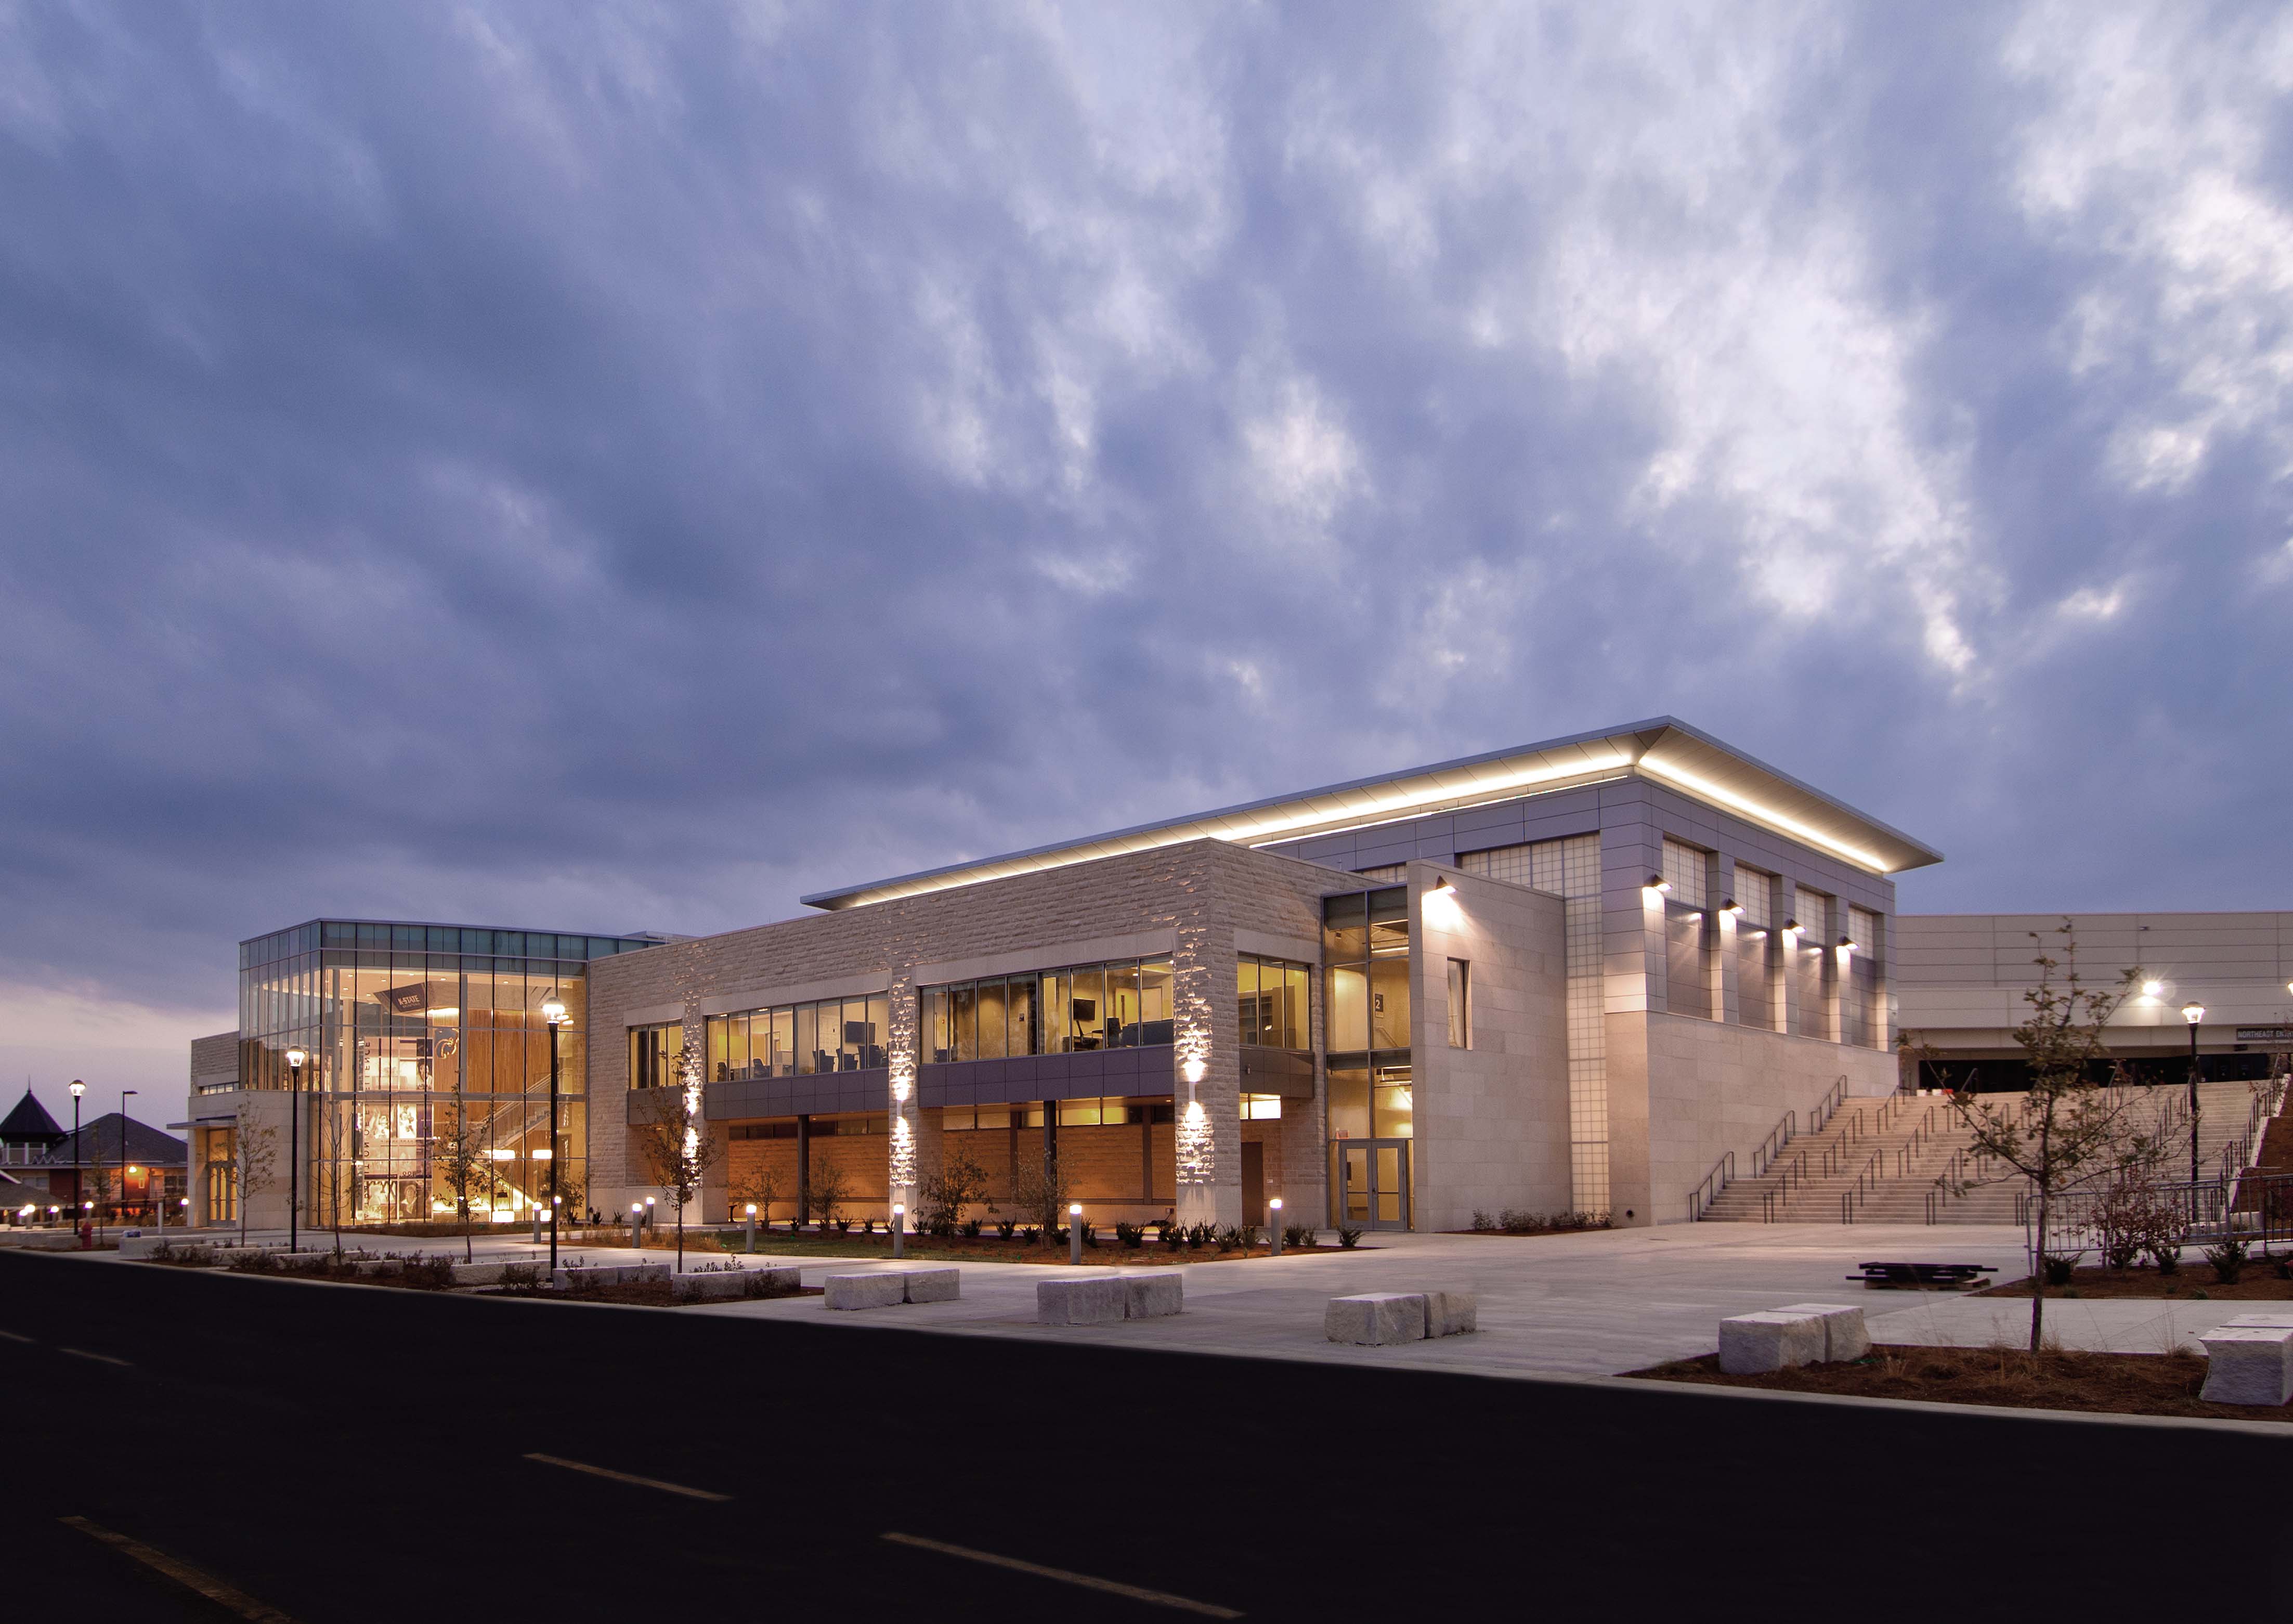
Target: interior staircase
[(1886, 1161)]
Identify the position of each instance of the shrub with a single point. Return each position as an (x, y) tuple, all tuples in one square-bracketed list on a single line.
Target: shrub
[(1298, 1234), (2058, 1269), (1349, 1238), (2167, 1255), (1519, 1221), (1089, 1233), (971, 1227), (1130, 1235), (2228, 1259), (2283, 1265), (1482, 1222), (431, 1272)]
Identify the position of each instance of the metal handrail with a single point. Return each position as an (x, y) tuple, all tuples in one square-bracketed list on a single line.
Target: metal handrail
[(1772, 1146), (1820, 1114), (1700, 1198)]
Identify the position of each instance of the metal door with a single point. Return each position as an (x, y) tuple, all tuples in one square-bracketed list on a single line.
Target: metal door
[(1373, 1184)]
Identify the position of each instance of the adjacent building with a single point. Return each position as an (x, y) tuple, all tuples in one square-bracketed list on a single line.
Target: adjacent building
[(1963, 982), (134, 1173)]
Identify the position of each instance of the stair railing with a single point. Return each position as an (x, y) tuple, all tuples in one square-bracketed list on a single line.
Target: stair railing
[(1701, 1197), (1820, 1115), (1772, 1146)]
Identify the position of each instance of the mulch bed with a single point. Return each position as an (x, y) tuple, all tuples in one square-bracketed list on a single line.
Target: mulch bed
[(2259, 1283), (993, 1249), (2112, 1384)]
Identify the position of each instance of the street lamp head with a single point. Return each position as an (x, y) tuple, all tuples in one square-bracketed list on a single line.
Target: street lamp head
[(77, 1088), (295, 1058), (2193, 1011), (553, 1010)]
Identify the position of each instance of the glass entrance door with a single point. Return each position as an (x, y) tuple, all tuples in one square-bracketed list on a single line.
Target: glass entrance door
[(1373, 1184)]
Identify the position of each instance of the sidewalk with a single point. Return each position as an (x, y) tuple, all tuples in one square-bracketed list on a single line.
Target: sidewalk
[(1589, 1305)]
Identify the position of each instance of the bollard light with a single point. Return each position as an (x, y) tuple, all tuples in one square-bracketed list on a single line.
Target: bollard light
[(1274, 1227), (1074, 1231), (899, 1230), (752, 1226)]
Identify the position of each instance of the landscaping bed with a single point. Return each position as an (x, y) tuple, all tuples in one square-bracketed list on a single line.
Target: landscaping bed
[(2111, 1383), (1517, 1221), (2256, 1282), (993, 1249), (436, 1273)]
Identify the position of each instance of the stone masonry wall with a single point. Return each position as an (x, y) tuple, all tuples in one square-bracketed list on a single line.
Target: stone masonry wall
[(1199, 892)]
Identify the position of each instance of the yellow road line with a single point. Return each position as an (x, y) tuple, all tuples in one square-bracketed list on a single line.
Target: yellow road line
[(1159, 1598), (206, 1583)]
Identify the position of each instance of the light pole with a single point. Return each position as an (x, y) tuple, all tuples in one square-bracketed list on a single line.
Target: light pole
[(125, 1095), (294, 1059), (2193, 1012), (79, 1151), (553, 1016)]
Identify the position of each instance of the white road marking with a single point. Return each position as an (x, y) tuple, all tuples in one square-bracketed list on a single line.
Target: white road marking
[(1159, 1598), (100, 1359), (627, 1477)]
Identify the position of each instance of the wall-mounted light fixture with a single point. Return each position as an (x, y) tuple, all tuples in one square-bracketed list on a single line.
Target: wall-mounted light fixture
[(2152, 988), (1730, 907), (1655, 890), (1446, 887)]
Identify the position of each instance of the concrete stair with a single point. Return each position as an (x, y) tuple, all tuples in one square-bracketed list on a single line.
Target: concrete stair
[(1883, 1161)]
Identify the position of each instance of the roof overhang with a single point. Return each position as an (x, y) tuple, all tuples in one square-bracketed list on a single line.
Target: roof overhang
[(1664, 751)]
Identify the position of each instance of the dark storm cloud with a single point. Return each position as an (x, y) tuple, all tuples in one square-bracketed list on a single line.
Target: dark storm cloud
[(625, 467)]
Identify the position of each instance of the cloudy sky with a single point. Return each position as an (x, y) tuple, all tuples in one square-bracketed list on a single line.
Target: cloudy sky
[(621, 466)]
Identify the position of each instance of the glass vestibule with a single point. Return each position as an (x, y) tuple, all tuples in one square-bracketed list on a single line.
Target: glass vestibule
[(1365, 949), (412, 1030)]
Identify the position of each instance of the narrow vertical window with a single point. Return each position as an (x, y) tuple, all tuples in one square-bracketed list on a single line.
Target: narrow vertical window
[(1461, 1004)]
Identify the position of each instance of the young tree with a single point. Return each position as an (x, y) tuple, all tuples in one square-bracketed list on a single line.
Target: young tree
[(2071, 1131), (254, 1159), (460, 1160), (96, 1177), (960, 1182), (1043, 1190), (829, 1192), (756, 1184), (677, 1147)]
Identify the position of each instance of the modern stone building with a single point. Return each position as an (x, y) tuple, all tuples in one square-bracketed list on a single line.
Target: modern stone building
[(1575, 974)]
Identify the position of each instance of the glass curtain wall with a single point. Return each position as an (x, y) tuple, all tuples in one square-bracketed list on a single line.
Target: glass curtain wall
[(415, 1031), (1270, 994), (801, 1039), (1123, 1004), (1811, 909), (1755, 999), (1689, 934), (1365, 1003)]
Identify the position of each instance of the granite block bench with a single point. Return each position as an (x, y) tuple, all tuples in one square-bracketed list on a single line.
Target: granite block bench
[(2249, 1364), (1105, 1299), (1802, 1334), (1380, 1319), (888, 1287)]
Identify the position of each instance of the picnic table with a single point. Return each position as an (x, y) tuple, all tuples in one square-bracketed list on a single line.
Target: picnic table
[(1923, 1276)]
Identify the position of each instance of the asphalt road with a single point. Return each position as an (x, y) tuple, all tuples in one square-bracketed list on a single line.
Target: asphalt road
[(342, 1453)]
